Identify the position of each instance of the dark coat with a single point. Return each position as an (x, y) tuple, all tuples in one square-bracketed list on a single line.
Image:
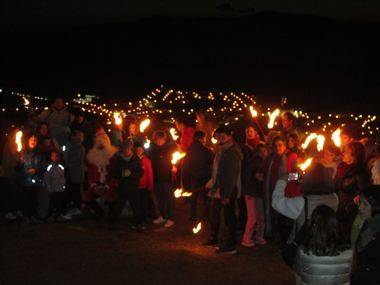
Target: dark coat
[(252, 186), (197, 165), (30, 159), (126, 172), (229, 171), (161, 157)]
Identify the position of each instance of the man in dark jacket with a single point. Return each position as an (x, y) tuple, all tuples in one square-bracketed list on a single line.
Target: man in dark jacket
[(225, 188), (196, 171), (126, 171), (160, 155)]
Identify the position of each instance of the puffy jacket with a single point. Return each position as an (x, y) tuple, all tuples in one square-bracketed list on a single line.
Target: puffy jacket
[(323, 270), (54, 178)]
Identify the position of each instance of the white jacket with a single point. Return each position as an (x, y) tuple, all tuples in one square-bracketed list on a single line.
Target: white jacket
[(289, 207)]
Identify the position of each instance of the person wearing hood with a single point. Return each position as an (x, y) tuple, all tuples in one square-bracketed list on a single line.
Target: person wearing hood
[(126, 171), (225, 189), (99, 183), (59, 119)]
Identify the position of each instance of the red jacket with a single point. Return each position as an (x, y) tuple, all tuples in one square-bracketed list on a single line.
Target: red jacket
[(146, 181), (186, 138)]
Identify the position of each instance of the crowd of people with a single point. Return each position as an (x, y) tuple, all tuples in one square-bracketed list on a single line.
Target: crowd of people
[(327, 218)]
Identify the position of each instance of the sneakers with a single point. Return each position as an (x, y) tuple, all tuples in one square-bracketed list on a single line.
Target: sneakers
[(74, 212), (169, 223), (10, 216), (62, 219), (261, 241), (159, 220), (227, 249), (248, 243)]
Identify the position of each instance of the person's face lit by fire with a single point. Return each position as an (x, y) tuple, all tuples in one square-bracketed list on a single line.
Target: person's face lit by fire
[(287, 124), (32, 142), (250, 133), (280, 147), (133, 130), (345, 139)]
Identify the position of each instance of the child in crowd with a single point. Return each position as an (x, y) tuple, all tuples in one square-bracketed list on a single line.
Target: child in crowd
[(55, 183)]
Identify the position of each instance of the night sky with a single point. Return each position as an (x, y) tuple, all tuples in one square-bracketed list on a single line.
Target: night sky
[(122, 49), (15, 12)]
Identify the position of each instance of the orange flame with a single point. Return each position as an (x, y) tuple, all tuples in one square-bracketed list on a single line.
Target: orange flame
[(308, 140), (117, 118), (336, 137), (320, 142), (18, 141), (174, 134), (197, 228), (306, 164), (214, 140), (253, 112), (176, 156), (178, 193), (144, 124), (272, 118)]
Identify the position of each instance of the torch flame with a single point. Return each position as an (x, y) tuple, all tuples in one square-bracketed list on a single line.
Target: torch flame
[(320, 142), (253, 112), (178, 193), (147, 144), (272, 118), (336, 137), (173, 133), (306, 164), (18, 141), (144, 124), (308, 140), (117, 118), (197, 228), (26, 101), (177, 156), (214, 140)]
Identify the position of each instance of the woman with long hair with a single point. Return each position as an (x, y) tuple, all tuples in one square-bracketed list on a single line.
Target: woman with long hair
[(323, 256)]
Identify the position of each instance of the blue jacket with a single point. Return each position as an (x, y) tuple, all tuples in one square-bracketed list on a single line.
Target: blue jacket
[(30, 159)]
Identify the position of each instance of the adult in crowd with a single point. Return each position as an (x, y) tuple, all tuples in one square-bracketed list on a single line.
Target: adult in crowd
[(98, 159), (30, 169), (46, 143), (323, 256), (366, 238), (134, 133), (126, 170), (59, 119), (225, 189), (186, 127), (75, 171), (330, 158), (275, 167), (350, 181), (196, 172), (206, 125), (160, 155), (253, 194), (317, 188), (288, 123)]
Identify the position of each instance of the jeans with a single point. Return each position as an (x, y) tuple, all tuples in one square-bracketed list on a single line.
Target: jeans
[(255, 218), (74, 195), (194, 203), (229, 216), (165, 197)]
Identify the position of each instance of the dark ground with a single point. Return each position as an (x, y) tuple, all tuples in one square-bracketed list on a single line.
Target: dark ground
[(85, 252)]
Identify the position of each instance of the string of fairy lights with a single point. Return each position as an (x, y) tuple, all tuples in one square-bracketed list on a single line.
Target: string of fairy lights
[(230, 106)]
